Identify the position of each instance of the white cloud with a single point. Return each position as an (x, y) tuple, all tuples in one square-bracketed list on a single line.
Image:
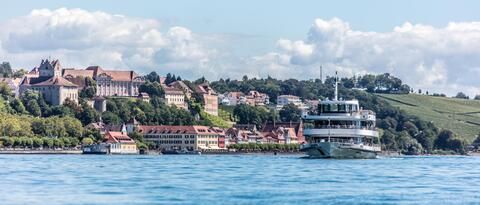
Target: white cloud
[(445, 59), (436, 59), (81, 38)]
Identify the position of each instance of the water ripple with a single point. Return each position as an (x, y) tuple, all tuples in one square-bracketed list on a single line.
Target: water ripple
[(237, 179)]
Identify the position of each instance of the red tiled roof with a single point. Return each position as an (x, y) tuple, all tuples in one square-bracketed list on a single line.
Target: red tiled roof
[(58, 81), (118, 75), (78, 73), (180, 85), (172, 90), (115, 137), (205, 88), (94, 71)]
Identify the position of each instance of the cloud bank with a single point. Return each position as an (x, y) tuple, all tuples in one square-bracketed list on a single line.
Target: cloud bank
[(81, 38), (443, 59), (436, 59)]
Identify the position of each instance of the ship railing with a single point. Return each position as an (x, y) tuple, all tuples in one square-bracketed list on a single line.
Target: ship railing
[(341, 127)]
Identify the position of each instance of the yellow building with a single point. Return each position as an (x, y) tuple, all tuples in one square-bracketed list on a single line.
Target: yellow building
[(191, 138), (121, 143)]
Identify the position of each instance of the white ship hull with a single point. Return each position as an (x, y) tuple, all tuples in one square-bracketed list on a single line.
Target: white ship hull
[(340, 150)]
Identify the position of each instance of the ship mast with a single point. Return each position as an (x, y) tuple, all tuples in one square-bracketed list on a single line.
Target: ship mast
[(336, 86)]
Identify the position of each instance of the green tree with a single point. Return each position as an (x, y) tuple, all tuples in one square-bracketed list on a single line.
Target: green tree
[(110, 118), (33, 108), (87, 141), (152, 77), (6, 70), (37, 142), (88, 115), (48, 142), (5, 90), (72, 126), (461, 95), (90, 88), (152, 89), (290, 113), (17, 106)]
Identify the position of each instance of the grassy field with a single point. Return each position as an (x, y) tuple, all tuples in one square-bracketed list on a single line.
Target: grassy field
[(460, 116)]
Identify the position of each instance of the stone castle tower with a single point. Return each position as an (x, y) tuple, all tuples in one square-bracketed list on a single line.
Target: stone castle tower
[(50, 68)]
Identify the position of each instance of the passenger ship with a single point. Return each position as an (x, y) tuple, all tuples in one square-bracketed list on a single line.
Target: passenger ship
[(341, 129)]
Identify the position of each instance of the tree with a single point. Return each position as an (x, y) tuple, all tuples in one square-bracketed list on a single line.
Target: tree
[(17, 106), (477, 97), (290, 113), (152, 89), (152, 77), (461, 95), (87, 141), (72, 126), (88, 115), (5, 90), (246, 114), (33, 108), (48, 142), (37, 142), (90, 88), (110, 118), (6, 70)]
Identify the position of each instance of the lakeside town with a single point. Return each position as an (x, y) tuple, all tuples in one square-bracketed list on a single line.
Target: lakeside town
[(94, 110), (59, 86)]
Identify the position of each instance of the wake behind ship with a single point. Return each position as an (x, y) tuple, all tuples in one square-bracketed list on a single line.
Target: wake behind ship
[(341, 129)]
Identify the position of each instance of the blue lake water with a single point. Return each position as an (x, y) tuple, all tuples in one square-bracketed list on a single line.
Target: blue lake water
[(237, 179)]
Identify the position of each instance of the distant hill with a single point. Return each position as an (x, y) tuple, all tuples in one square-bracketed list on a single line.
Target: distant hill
[(458, 115)]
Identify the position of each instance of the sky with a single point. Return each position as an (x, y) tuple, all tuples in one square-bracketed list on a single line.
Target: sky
[(430, 45)]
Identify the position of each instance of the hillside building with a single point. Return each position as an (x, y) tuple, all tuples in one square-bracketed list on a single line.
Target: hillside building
[(210, 98), (50, 83), (108, 82)]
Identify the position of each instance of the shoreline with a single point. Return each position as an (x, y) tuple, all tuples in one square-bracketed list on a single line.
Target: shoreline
[(46, 152), (80, 152)]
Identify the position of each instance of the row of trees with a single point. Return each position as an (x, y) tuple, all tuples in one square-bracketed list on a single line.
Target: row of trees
[(155, 112), (39, 142), (311, 89)]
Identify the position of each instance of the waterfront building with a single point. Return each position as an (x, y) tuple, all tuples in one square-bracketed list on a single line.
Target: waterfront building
[(210, 98), (240, 134), (108, 82), (192, 138), (175, 96), (281, 135), (120, 143), (296, 127), (54, 88)]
